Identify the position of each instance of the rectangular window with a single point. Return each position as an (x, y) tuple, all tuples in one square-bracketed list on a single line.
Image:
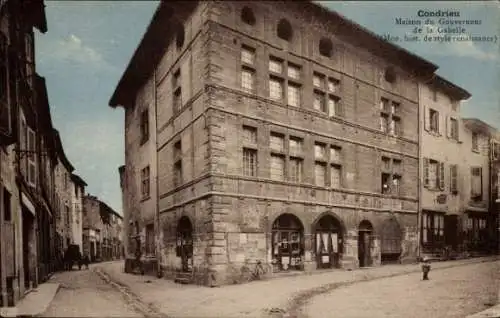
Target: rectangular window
[(394, 126), (333, 106), (247, 55), (293, 94), (293, 71), (434, 120), (335, 153), (384, 122), (386, 164), (318, 80), (333, 85), (384, 105), (247, 80), (391, 176), (145, 182), (454, 128), (432, 229), (275, 65), (320, 174), (319, 151), (249, 134), (396, 185), (249, 162), (296, 168), (319, 101), (454, 179), (275, 88), (295, 144), (475, 142), (144, 126), (336, 176), (476, 183), (277, 142), (277, 167), (386, 183), (176, 88)]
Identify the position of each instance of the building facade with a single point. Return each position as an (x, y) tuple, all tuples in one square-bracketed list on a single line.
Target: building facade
[(477, 192), (250, 140), (102, 230), (443, 172), (21, 206), (77, 194)]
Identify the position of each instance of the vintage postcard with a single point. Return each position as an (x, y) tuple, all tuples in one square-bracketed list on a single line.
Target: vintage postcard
[(249, 158)]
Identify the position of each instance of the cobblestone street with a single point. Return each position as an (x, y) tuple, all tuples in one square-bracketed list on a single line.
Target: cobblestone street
[(453, 292), (84, 294)]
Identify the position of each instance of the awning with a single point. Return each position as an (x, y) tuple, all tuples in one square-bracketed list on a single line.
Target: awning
[(28, 204)]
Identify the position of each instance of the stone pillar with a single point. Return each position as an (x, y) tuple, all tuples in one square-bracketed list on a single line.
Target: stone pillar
[(350, 256), (308, 257), (375, 253), (409, 245)]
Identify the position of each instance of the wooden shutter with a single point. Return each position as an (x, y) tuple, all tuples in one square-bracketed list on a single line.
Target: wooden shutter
[(448, 126), (454, 178), (427, 119), (438, 118), (426, 172), (441, 176)]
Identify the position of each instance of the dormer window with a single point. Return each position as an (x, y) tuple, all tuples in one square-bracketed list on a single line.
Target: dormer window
[(326, 47), (247, 16), (390, 75), (284, 30), (179, 41)]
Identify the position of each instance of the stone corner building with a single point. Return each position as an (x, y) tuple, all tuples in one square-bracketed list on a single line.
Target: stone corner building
[(261, 131)]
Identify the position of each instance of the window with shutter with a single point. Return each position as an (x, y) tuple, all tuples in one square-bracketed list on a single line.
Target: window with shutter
[(448, 127), (476, 183), (427, 125), (441, 176), (426, 172), (454, 179)]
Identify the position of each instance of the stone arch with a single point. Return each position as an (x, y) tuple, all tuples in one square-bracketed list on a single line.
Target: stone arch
[(365, 243), (287, 240), (328, 233), (284, 30), (391, 236), (332, 214), (184, 242)]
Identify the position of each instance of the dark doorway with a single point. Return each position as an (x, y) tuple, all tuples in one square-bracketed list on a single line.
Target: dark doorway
[(328, 242), (28, 221), (184, 248), (287, 240), (390, 239), (365, 241), (451, 231), (92, 251)]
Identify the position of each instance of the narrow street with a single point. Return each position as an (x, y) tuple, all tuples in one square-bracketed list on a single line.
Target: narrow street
[(84, 294), (454, 292)]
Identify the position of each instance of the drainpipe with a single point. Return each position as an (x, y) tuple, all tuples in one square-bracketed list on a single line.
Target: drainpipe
[(158, 239), (420, 172)]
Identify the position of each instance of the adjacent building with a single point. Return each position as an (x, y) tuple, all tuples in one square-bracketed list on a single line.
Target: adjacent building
[(478, 214), (22, 266), (271, 132), (443, 171), (102, 230)]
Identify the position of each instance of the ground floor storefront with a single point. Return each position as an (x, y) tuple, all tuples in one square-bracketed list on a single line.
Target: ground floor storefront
[(242, 247), (451, 234)]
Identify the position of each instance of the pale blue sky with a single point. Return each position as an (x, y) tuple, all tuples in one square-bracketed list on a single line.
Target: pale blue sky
[(89, 44)]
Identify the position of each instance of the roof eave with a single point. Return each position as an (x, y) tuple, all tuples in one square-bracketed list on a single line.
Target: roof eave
[(453, 90)]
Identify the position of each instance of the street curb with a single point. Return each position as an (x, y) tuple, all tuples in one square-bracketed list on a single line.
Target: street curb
[(295, 306), (148, 310)]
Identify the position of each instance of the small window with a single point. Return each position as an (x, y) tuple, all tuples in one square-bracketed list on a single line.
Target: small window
[(275, 65), (247, 55), (7, 213), (295, 144), (475, 142), (179, 41), (326, 47), (293, 71), (277, 142), (390, 75), (145, 182), (284, 30), (275, 88), (293, 94), (248, 16), (249, 162), (144, 126), (249, 134)]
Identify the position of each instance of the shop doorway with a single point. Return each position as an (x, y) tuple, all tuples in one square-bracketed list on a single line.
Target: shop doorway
[(287, 243), (365, 241), (184, 248), (328, 242)]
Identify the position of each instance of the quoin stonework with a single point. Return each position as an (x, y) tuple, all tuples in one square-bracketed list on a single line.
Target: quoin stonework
[(285, 136)]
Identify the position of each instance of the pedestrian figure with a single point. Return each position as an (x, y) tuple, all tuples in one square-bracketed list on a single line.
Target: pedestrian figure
[(426, 268), (84, 260)]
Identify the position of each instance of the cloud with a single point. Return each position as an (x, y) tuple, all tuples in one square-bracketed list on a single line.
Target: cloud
[(72, 49)]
